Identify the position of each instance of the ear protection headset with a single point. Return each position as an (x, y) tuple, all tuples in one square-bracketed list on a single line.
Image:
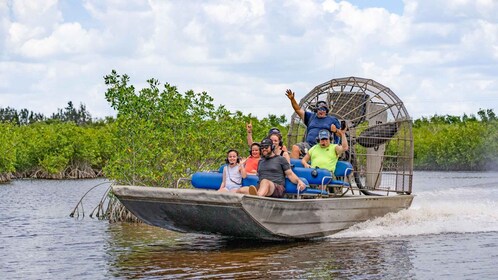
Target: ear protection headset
[(252, 145), (274, 130), (229, 151), (323, 104), (268, 142), (331, 138), (280, 142)]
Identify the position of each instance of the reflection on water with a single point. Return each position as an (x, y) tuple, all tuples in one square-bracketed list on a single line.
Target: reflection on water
[(143, 251), (450, 232)]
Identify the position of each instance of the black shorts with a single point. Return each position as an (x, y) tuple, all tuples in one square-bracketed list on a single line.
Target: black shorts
[(279, 191)]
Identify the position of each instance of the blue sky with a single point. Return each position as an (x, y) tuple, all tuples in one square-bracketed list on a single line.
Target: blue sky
[(439, 57)]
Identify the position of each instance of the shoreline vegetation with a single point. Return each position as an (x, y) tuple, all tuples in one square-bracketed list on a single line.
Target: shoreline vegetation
[(160, 135)]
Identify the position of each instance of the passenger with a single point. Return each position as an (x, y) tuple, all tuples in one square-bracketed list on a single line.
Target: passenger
[(314, 122), (251, 163), (326, 155), (233, 173), (276, 136), (272, 171)]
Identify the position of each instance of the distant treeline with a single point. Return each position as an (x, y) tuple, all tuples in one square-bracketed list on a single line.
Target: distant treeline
[(457, 143), (160, 135), (79, 115)]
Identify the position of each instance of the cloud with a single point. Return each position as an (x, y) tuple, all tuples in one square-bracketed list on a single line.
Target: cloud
[(438, 57)]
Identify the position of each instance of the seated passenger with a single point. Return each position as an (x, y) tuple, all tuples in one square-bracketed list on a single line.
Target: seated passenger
[(251, 163), (276, 136), (272, 171), (326, 155), (233, 173)]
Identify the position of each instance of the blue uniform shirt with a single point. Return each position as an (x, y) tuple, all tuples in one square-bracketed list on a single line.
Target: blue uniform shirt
[(314, 124)]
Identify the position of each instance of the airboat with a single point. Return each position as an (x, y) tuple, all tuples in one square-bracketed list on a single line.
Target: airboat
[(373, 179)]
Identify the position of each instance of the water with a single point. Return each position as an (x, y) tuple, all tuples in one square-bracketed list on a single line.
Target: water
[(450, 232)]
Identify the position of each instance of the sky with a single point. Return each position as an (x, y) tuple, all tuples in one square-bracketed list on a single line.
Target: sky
[(439, 56)]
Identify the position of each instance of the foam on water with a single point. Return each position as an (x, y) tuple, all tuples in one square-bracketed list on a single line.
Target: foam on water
[(454, 210)]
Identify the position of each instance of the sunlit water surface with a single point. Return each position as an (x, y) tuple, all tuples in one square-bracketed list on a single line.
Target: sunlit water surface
[(450, 232)]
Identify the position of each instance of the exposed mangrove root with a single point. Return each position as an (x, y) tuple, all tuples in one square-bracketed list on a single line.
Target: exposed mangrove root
[(79, 206), (74, 171), (5, 177), (116, 212)]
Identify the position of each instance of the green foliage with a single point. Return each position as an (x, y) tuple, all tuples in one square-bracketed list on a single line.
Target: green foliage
[(469, 144), (261, 127), (162, 135), (56, 147), (7, 148)]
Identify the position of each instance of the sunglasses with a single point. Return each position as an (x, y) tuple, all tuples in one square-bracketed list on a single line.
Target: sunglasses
[(322, 109), (265, 146)]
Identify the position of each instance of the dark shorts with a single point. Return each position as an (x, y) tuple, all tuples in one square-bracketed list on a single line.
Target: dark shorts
[(303, 148), (279, 191)]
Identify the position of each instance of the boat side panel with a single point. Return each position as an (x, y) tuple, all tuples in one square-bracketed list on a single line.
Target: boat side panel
[(198, 218), (204, 212), (320, 217)]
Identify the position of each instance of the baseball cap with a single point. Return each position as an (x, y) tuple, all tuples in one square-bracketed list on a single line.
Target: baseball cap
[(266, 143), (322, 105), (323, 134)]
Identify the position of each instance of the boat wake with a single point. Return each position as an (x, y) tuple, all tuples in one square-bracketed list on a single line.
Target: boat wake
[(458, 210)]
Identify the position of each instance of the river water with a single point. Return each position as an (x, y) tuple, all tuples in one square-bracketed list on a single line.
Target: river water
[(450, 232)]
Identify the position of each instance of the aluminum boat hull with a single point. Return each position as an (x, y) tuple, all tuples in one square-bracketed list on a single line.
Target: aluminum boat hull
[(253, 217)]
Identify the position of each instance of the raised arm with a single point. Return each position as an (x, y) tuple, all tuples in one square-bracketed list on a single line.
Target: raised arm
[(299, 111), (339, 149), (249, 133)]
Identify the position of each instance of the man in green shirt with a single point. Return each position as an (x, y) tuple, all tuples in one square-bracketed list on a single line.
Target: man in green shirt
[(326, 155)]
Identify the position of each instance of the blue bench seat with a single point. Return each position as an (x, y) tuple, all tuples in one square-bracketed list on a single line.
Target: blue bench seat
[(212, 181)]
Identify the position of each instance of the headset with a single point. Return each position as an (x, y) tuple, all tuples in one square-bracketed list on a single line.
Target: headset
[(274, 130), (280, 142), (229, 151), (319, 104), (254, 144), (270, 143), (331, 138)]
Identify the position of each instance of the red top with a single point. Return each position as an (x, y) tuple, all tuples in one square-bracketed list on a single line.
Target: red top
[(252, 165)]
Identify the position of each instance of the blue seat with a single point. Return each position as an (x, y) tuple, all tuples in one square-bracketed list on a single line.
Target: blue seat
[(324, 177), (212, 180), (296, 162), (220, 170), (307, 173), (207, 180), (291, 188), (250, 180), (342, 171)]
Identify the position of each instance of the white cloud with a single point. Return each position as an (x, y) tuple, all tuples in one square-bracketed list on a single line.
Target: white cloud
[(438, 56)]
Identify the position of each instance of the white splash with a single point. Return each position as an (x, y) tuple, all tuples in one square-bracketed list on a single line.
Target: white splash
[(437, 212)]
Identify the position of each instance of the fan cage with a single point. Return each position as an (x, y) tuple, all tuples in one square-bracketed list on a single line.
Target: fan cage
[(379, 131)]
